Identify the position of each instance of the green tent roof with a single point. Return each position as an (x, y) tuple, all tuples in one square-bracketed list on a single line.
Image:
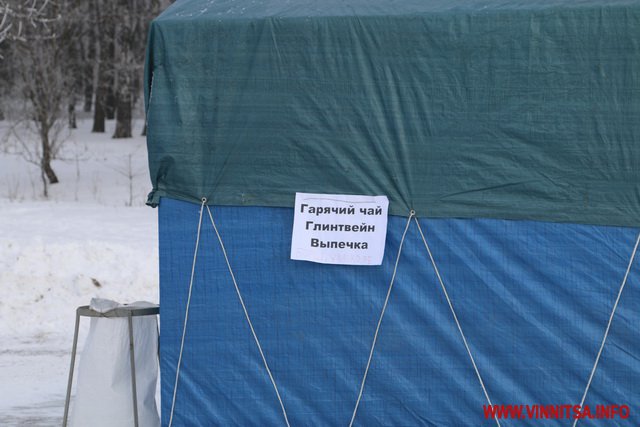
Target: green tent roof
[(502, 109)]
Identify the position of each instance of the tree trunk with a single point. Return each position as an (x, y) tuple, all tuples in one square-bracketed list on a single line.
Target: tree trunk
[(123, 115), (48, 171), (45, 186), (45, 163), (72, 115), (98, 112), (88, 97), (89, 67), (103, 58), (88, 90), (110, 101)]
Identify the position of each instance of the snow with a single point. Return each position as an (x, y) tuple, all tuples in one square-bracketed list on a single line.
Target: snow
[(93, 237)]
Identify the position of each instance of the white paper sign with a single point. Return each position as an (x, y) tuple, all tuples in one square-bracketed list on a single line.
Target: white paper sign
[(339, 229)]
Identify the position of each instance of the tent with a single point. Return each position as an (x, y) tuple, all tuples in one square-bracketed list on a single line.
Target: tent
[(504, 134)]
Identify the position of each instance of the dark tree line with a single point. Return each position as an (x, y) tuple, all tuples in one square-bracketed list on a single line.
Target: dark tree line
[(59, 55)]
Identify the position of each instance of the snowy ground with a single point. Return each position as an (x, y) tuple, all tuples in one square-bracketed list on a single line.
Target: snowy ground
[(93, 237)]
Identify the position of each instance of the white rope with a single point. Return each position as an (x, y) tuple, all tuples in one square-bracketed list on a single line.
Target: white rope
[(455, 317), (606, 332), (384, 308), (246, 315), (186, 313)]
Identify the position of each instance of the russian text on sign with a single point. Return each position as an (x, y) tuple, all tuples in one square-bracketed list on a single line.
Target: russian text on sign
[(339, 229)]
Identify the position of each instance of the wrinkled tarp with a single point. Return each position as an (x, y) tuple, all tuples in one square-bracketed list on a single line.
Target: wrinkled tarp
[(533, 299), (501, 109)]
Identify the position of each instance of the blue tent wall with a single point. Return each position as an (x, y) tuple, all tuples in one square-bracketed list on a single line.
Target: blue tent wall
[(533, 299)]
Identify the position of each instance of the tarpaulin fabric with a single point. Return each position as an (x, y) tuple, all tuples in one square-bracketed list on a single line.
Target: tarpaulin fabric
[(533, 299), (469, 108)]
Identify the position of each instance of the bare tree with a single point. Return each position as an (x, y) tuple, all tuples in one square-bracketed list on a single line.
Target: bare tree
[(127, 170), (51, 55), (130, 44), (40, 31), (102, 18), (25, 132), (119, 42), (20, 18), (5, 21), (88, 54)]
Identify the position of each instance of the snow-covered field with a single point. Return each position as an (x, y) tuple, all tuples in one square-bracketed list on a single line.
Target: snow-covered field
[(93, 237)]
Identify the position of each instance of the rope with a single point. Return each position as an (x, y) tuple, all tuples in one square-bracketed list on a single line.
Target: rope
[(246, 315), (455, 317), (606, 332), (186, 313), (384, 308)]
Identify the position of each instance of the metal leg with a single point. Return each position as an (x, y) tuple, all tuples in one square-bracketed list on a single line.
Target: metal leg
[(73, 362), (119, 313), (133, 371), (158, 335)]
